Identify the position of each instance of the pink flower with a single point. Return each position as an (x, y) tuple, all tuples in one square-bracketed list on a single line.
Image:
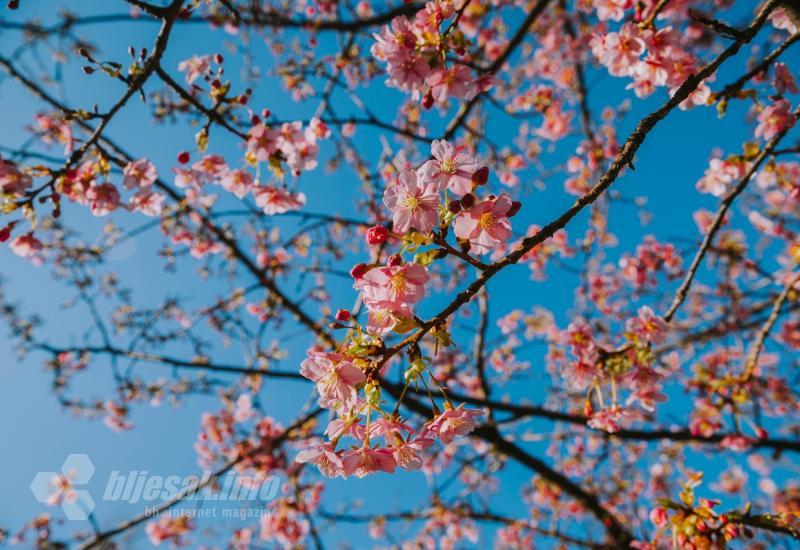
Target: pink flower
[(26, 245), (274, 200), (619, 52), (12, 180), (450, 168), (210, 167), (775, 119), (394, 40), (138, 174), (705, 419), (720, 175), (608, 419), (325, 458), (556, 123), (63, 490), (103, 198), (317, 130), (453, 82), (784, 81), (486, 224), (736, 442), (336, 377), (238, 182), (148, 203), (407, 453), (365, 461), (393, 287), (612, 9), (262, 142), (648, 326), (54, 129), (781, 20), (195, 67), (412, 204), (659, 517), (452, 422), (168, 528)]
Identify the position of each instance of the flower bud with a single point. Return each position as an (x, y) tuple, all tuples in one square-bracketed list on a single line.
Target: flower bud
[(395, 260), (359, 270), (343, 315), (454, 206), (659, 517), (480, 176), (515, 206), (467, 201), (377, 234), (427, 101), (183, 157)]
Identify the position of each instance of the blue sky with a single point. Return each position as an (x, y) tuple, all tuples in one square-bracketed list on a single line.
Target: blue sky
[(37, 433)]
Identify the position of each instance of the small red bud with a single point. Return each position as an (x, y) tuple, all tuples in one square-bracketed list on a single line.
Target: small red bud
[(515, 206), (480, 176), (454, 206), (395, 260), (266, 113), (13, 4), (183, 157), (254, 120), (427, 101), (218, 59), (467, 201), (343, 315), (5, 233), (359, 270), (377, 234)]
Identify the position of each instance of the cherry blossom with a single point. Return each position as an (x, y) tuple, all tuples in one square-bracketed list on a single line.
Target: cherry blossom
[(413, 204), (486, 224)]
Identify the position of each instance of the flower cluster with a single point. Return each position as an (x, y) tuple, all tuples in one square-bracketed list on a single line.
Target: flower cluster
[(347, 379), (665, 62), (415, 52)]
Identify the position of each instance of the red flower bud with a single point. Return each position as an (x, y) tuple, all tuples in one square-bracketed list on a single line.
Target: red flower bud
[(395, 260), (218, 59), (359, 270), (467, 201), (5, 233), (515, 206), (454, 206), (343, 315), (254, 120), (427, 101), (377, 234), (480, 176), (266, 113), (183, 157)]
